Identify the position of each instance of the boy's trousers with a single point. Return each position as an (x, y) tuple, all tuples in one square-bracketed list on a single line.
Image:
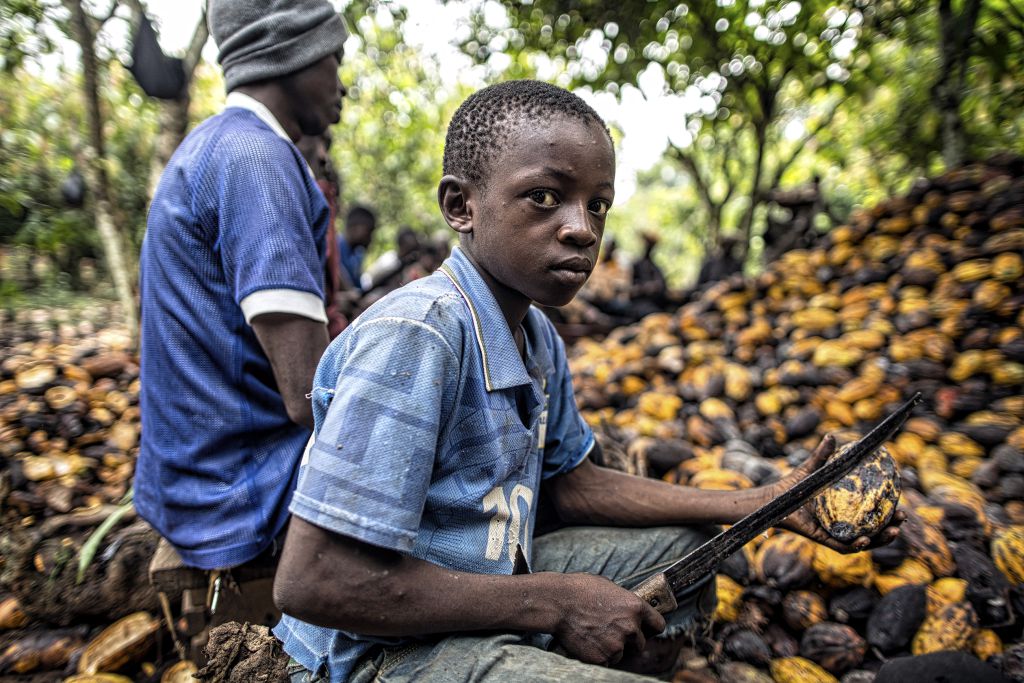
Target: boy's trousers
[(626, 556)]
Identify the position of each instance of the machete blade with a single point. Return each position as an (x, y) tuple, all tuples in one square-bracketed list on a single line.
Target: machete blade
[(705, 559)]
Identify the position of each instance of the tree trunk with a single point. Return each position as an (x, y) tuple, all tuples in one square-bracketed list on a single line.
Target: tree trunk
[(174, 113), (96, 172), (956, 33), (173, 122), (747, 220)]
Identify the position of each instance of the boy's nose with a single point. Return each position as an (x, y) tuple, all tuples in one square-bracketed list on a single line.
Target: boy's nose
[(577, 228)]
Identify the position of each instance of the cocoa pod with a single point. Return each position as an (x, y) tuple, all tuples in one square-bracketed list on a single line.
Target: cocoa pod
[(836, 647), (897, 618)]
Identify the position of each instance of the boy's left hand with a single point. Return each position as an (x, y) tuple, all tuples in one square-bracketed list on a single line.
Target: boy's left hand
[(804, 522)]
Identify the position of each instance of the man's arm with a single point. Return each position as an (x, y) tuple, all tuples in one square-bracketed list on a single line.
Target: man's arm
[(294, 345), (338, 582)]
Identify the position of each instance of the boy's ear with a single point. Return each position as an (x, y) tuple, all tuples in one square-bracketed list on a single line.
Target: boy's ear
[(454, 196)]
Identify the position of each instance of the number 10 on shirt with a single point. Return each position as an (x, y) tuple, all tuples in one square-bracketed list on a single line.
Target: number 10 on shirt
[(506, 526)]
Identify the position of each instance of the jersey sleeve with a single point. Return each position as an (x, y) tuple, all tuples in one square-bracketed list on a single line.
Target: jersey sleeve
[(369, 468), (266, 232), (569, 439)]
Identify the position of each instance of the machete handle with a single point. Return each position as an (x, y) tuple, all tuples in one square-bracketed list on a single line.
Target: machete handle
[(656, 592)]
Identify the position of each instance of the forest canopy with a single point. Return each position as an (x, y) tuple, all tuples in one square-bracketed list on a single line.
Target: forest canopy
[(757, 98)]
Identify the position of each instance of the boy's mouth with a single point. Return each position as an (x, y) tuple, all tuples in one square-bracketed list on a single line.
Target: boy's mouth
[(574, 271)]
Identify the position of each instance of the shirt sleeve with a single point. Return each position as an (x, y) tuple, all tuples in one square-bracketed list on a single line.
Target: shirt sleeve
[(283, 301), (369, 468), (267, 218), (569, 439)]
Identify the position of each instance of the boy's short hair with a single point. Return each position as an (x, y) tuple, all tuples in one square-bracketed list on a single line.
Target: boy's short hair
[(488, 118)]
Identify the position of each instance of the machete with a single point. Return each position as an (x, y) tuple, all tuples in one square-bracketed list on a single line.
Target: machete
[(659, 591)]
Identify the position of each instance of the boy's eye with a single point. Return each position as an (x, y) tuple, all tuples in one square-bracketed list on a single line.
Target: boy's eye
[(543, 197), (599, 207)]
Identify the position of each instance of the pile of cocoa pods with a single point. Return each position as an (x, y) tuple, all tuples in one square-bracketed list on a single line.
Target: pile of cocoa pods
[(923, 292)]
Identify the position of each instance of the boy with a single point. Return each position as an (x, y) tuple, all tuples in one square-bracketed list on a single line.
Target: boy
[(440, 412)]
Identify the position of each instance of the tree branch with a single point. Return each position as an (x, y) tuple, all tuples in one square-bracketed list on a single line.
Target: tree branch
[(809, 135), (703, 189), (195, 47)]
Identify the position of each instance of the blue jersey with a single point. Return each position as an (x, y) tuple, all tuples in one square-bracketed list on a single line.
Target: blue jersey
[(236, 214), (433, 436)]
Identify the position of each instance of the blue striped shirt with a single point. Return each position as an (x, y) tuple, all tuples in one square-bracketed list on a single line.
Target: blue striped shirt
[(433, 436)]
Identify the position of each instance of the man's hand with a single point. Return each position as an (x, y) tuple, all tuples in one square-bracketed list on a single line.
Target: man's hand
[(804, 522), (600, 620)]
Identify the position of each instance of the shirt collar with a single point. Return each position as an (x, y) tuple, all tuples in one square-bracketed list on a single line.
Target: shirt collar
[(243, 101), (503, 366)]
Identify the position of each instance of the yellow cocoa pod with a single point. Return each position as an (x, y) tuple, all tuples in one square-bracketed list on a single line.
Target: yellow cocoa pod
[(868, 409), (914, 571), (966, 466), (632, 385), (885, 583), (990, 294), (840, 412), (815, 319), (966, 364), (660, 406), (910, 446), (931, 459), (837, 570), (799, 670), (932, 514), (869, 340), (857, 389), (945, 591), (1008, 373), (715, 408), (1008, 553), (955, 444), (730, 597), (768, 403), (986, 644), (926, 543), (738, 382), (923, 427), (952, 627), (973, 270), (1008, 267), (834, 352), (862, 502)]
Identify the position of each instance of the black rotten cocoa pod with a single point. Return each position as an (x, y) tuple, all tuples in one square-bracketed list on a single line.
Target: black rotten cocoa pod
[(836, 647), (896, 618), (988, 591), (746, 646), (853, 606)]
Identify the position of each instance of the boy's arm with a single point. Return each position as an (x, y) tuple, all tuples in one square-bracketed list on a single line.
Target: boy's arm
[(590, 494), (338, 582)]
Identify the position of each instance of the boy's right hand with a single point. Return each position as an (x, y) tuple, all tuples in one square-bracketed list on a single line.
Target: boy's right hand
[(600, 619)]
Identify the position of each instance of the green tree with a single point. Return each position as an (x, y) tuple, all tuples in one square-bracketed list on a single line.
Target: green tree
[(388, 145), (750, 70)]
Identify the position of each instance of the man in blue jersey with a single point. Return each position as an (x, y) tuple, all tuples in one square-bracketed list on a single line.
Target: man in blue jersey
[(232, 288), (446, 409)]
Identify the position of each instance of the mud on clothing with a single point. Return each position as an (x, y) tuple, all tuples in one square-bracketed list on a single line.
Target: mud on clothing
[(236, 229), (433, 436)]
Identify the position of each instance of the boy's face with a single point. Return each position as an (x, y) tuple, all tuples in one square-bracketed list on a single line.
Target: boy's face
[(536, 228)]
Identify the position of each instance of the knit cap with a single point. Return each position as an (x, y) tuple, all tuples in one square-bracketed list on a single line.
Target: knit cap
[(261, 39)]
